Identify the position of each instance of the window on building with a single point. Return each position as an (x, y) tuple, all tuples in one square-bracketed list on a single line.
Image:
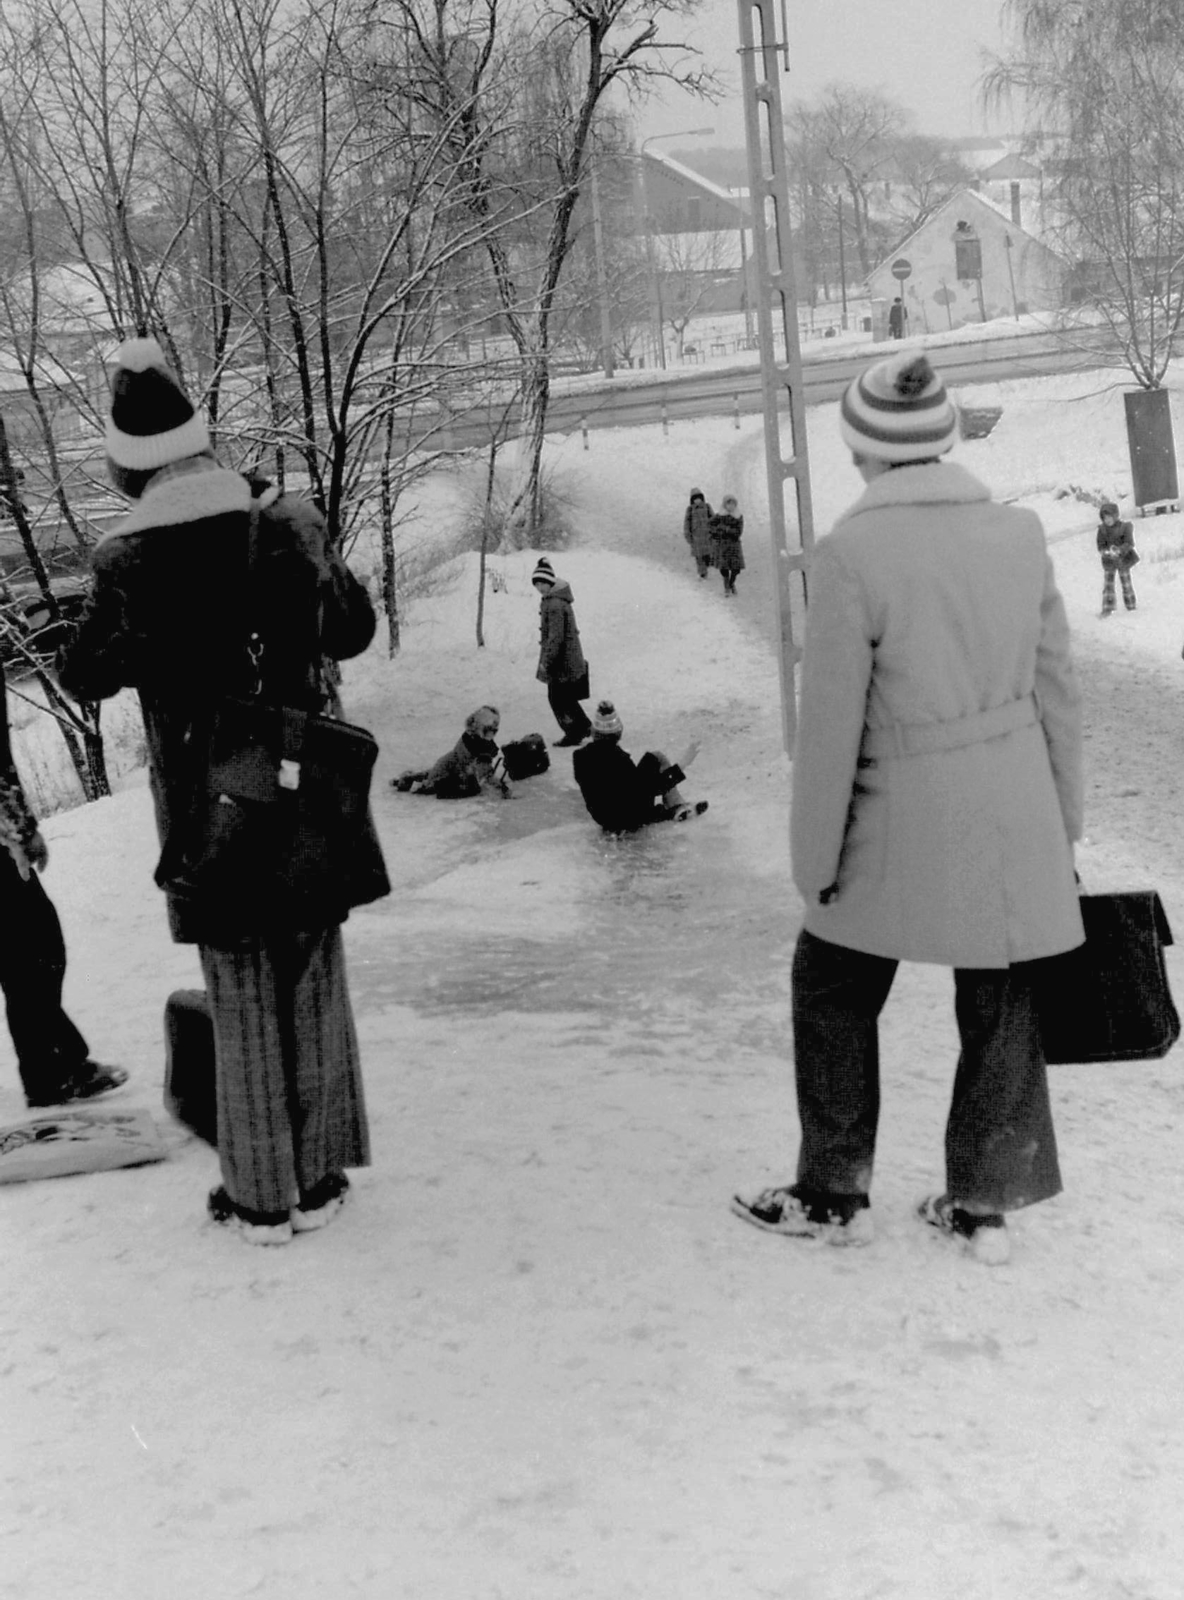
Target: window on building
[(968, 252)]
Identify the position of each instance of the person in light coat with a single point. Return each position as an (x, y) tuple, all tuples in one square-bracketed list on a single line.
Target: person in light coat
[(937, 792)]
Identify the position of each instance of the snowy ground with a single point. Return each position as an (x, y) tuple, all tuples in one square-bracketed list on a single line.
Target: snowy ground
[(539, 1359)]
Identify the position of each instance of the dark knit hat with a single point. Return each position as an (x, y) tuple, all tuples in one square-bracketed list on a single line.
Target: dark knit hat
[(544, 572), (898, 411), (606, 720), (151, 422)]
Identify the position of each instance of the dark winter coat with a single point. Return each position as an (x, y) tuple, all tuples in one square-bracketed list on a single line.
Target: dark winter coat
[(1116, 546), (620, 793), (726, 533), (561, 660), (168, 617), (696, 529)]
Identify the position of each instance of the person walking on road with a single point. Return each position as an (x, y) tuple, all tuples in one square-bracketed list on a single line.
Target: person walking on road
[(727, 553), (696, 530), (561, 659), (937, 792), (1116, 546)]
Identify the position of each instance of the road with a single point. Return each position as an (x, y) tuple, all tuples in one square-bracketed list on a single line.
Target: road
[(719, 392)]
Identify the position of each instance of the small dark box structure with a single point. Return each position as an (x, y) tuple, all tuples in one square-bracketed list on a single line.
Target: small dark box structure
[(189, 1063)]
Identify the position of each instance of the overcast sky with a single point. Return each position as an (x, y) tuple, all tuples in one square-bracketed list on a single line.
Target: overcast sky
[(927, 54)]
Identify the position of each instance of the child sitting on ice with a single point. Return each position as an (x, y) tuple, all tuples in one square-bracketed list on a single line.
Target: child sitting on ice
[(474, 763), (622, 794)]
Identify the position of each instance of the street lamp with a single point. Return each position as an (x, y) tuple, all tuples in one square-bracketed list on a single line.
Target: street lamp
[(651, 264)]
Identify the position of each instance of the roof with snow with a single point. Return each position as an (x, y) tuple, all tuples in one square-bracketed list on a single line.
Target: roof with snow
[(963, 202), (1009, 166), (734, 197)]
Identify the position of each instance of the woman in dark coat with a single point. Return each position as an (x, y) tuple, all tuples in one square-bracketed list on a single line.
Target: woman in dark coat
[(169, 614), (727, 529), (696, 530)]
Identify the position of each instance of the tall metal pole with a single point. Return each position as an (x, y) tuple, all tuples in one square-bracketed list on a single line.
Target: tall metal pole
[(777, 295), (842, 263), (606, 321)]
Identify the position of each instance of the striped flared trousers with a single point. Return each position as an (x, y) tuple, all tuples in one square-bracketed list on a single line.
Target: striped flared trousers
[(289, 1081)]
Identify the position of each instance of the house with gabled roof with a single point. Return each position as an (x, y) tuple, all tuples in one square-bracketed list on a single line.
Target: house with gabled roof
[(969, 262)]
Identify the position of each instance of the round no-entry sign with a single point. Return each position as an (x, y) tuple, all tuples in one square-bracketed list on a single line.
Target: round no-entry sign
[(902, 269)]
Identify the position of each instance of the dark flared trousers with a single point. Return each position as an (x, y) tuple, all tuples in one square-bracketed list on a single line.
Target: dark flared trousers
[(49, 1048), (289, 1079), (568, 712), (1001, 1150)]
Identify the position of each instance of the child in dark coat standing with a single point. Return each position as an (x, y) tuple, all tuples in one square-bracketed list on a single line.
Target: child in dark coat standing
[(727, 529), (1116, 546), (696, 530), (562, 666)]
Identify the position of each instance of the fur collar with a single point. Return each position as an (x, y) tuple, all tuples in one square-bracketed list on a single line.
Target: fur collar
[(188, 498), (932, 483)]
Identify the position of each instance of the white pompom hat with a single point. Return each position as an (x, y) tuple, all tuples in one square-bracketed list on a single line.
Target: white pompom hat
[(151, 422)]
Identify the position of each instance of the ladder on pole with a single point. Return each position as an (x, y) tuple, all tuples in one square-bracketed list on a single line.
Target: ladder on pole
[(777, 314)]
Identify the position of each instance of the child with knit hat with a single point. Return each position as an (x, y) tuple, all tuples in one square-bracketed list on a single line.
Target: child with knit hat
[(623, 795), (1116, 546), (562, 666), (937, 792)]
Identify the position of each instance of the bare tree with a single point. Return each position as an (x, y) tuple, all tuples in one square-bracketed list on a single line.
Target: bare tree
[(1106, 82), (560, 60)]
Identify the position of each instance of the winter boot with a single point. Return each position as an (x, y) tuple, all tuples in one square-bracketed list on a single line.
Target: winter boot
[(985, 1236), (321, 1204), (803, 1213), (256, 1227)]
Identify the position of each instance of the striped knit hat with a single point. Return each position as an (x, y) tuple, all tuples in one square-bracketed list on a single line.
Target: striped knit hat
[(151, 423), (544, 572), (606, 720), (898, 411)]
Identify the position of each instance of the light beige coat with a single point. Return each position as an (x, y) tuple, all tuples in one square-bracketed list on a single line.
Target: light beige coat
[(929, 605)]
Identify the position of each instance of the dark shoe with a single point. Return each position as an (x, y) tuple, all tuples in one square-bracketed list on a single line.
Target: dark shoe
[(689, 813), (320, 1205), (801, 1213), (568, 740), (985, 1236), (256, 1227), (87, 1083)]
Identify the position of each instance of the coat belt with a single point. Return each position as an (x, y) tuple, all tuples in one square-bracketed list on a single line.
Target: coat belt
[(900, 739)]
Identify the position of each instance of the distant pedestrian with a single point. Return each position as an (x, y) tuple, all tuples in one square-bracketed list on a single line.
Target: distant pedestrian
[(472, 765), (696, 530), (1116, 546), (937, 789), (897, 317), (622, 794), (175, 587), (561, 659), (51, 1055), (727, 529)]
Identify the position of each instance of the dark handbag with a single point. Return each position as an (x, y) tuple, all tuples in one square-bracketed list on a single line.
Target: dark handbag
[(527, 757), (581, 687), (1109, 999), (278, 833), (189, 1063)]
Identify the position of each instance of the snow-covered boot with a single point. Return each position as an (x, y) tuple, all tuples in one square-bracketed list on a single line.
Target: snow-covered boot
[(985, 1236), (803, 1213), (256, 1227)]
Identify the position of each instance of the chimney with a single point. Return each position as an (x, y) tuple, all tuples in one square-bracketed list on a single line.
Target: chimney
[(1015, 201)]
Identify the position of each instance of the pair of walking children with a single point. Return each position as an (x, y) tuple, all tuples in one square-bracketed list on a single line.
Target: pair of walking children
[(714, 537)]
